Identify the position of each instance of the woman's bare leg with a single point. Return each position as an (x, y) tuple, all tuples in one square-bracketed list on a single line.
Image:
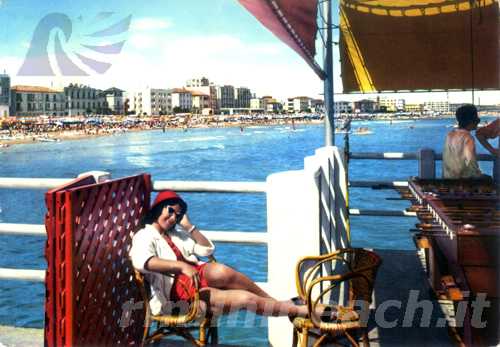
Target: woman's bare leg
[(225, 301), (223, 277)]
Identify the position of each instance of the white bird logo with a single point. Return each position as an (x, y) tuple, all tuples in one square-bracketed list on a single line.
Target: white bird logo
[(37, 61)]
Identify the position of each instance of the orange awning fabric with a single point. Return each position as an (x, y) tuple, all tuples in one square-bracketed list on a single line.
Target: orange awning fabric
[(293, 22), (399, 45)]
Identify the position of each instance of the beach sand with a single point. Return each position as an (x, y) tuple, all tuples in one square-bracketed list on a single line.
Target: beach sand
[(80, 135)]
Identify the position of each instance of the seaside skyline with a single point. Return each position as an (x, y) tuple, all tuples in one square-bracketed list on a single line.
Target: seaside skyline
[(168, 43)]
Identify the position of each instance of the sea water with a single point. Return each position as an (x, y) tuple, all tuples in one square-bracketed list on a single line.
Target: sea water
[(224, 154)]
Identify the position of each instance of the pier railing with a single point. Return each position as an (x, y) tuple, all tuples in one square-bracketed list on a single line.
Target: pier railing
[(318, 224), (18, 229), (427, 169)]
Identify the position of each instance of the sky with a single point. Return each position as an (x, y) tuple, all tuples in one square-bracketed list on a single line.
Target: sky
[(167, 43)]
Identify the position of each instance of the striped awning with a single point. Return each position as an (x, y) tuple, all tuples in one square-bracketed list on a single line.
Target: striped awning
[(408, 45)]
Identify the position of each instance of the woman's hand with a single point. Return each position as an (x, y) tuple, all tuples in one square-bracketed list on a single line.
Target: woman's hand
[(195, 233), (185, 222), (190, 271)]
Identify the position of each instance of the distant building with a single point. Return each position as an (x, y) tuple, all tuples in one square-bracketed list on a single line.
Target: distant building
[(414, 108), (181, 99), (83, 100), (342, 107), (265, 100), (198, 82), (256, 104), (150, 101), (365, 106), (317, 105), (391, 105), (298, 104), (437, 106), (201, 103), (115, 100), (203, 85), (225, 96), (269, 104), (31, 101), (4, 95), (242, 97), (274, 106)]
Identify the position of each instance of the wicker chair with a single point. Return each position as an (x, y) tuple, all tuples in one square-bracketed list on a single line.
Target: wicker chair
[(181, 324), (342, 323)]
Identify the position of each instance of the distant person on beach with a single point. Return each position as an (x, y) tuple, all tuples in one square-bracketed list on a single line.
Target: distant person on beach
[(459, 154), (165, 250), (491, 131)]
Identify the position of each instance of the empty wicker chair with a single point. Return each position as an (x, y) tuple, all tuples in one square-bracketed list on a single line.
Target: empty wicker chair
[(318, 281), (180, 324)]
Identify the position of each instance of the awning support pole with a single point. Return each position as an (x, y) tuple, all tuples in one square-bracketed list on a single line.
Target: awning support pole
[(328, 83)]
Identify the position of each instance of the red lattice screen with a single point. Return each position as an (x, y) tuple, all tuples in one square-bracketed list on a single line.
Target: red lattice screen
[(94, 286), (52, 256)]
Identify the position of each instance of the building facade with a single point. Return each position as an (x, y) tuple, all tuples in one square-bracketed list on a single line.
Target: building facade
[(84, 100), (200, 102), (298, 104), (317, 105), (204, 86), (225, 97), (437, 106), (115, 101), (150, 101), (342, 107), (365, 106), (198, 82), (417, 108), (31, 101), (242, 97), (4, 95), (274, 106), (256, 104), (181, 100), (391, 105)]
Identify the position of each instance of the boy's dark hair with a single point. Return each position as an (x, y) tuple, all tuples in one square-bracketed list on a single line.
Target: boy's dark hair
[(466, 114)]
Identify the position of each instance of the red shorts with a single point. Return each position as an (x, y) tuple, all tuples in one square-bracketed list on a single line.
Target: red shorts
[(183, 289)]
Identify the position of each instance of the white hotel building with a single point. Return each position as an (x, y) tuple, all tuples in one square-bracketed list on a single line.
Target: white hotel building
[(151, 102), (181, 98)]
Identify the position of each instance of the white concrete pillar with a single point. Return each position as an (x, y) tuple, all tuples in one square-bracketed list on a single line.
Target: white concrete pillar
[(293, 232)]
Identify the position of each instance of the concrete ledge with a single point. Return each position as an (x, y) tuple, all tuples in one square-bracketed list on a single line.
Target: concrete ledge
[(20, 337)]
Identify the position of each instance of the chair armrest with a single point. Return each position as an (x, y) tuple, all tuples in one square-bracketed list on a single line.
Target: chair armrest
[(302, 280), (167, 319)]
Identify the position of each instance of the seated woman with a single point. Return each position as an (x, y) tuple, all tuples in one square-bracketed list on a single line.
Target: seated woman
[(166, 251)]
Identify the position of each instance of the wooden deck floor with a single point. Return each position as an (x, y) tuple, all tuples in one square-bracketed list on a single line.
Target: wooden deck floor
[(399, 277)]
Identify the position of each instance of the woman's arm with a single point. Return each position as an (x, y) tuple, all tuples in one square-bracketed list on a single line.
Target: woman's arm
[(197, 236), (484, 141), (488, 132), (163, 266)]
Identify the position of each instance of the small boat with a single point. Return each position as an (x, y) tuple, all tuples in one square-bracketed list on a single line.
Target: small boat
[(362, 131), (47, 139), (341, 131)]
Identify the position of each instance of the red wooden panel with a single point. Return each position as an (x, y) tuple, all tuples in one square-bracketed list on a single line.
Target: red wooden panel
[(52, 249), (100, 220)]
